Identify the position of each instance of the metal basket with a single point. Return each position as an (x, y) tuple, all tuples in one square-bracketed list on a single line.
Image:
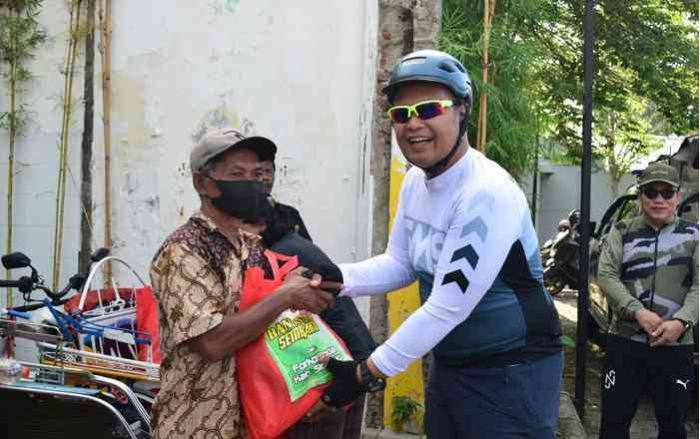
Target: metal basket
[(105, 338)]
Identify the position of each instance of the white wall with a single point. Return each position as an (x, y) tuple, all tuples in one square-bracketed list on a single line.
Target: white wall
[(293, 72), (301, 73), (560, 193)]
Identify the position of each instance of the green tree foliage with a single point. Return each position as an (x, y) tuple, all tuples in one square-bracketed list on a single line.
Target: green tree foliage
[(646, 60), (622, 137), (20, 36), (514, 114)]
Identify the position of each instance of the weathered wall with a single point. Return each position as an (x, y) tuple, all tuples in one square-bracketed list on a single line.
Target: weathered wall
[(295, 74), (299, 73)]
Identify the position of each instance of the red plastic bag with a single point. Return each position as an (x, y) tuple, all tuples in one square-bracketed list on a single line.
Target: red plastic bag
[(274, 393), (147, 322)]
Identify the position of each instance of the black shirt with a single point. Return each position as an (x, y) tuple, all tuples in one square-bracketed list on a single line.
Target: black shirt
[(344, 317), (284, 220)]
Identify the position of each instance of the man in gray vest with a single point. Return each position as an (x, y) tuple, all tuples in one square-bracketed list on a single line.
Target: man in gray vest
[(648, 271)]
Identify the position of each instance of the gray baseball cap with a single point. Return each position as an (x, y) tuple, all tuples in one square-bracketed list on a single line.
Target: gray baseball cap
[(659, 172), (216, 142)]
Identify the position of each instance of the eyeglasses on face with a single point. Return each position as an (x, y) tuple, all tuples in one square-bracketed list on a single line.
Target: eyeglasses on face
[(423, 110), (651, 193)]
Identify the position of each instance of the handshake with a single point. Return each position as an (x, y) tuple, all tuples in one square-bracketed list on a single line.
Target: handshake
[(312, 288), (305, 291)]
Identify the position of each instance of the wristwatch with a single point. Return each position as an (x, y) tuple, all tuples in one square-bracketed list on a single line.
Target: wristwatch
[(369, 382)]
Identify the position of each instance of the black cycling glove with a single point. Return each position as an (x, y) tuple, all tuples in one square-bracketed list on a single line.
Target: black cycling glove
[(344, 389)]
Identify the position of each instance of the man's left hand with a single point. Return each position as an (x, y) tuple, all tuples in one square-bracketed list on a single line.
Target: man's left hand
[(345, 387), (668, 332), (318, 411)]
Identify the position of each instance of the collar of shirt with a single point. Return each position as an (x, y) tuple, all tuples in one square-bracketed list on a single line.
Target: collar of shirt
[(243, 239), (447, 178), (672, 223)]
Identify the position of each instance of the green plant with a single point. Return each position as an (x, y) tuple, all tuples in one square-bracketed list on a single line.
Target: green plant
[(20, 36), (568, 342), (405, 410)]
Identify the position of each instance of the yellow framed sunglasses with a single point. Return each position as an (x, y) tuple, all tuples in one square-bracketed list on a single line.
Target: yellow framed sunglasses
[(423, 110)]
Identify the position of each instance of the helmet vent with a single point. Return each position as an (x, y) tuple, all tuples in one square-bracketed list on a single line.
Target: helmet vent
[(416, 60), (450, 67)]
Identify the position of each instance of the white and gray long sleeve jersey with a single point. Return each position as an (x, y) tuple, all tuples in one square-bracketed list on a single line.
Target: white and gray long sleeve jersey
[(468, 238)]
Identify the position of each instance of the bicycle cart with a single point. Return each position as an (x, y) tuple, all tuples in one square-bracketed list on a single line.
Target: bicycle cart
[(109, 332), (43, 401)]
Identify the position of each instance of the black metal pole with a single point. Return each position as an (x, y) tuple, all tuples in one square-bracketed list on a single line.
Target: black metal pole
[(535, 181), (86, 146), (582, 328)]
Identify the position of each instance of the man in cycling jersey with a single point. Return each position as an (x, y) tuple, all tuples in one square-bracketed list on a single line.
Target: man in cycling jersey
[(463, 230)]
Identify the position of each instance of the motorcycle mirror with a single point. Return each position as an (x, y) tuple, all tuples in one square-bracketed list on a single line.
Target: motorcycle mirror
[(99, 254), (16, 260)]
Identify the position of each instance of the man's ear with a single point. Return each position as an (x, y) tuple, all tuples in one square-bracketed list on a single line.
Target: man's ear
[(199, 180), (679, 196)]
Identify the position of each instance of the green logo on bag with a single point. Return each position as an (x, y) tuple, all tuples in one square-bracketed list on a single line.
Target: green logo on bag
[(296, 342), (289, 331)]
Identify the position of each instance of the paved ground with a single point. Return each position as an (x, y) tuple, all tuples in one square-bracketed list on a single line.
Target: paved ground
[(644, 425)]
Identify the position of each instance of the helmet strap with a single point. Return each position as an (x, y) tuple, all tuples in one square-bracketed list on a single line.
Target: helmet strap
[(440, 165)]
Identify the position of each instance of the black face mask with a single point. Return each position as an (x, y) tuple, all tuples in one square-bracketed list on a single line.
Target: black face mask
[(244, 199)]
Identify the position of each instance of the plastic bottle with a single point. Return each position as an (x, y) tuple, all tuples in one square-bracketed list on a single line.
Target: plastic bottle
[(10, 370)]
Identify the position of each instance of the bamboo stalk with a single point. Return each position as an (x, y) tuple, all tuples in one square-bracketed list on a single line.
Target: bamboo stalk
[(11, 159), (86, 147), (74, 27), (106, 35), (482, 126), (61, 166)]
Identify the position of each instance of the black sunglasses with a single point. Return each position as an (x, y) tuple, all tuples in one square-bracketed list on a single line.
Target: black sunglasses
[(652, 193)]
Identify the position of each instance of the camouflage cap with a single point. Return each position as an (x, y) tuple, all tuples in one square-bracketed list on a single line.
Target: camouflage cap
[(216, 142), (659, 172)]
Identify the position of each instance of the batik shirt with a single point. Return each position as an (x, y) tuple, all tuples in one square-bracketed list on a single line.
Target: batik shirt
[(196, 277)]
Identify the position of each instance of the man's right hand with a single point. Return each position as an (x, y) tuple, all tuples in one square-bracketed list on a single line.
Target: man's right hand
[(648, 320), (306, 294)]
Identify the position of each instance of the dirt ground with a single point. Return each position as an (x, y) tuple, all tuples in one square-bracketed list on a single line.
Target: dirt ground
[(644, 425)]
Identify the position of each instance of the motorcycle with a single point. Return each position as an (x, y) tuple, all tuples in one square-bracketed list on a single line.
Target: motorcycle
[(560, 258)]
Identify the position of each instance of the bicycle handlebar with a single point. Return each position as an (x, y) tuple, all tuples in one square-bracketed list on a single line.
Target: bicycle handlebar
[(25, 284), (11, 283)]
